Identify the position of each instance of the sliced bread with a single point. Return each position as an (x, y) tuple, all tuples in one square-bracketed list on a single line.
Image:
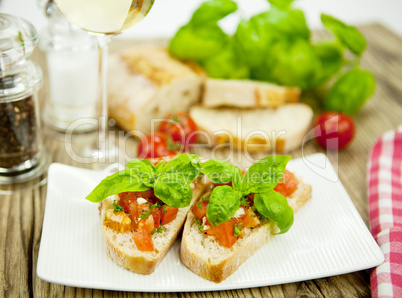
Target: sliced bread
[(204, 256), (255, 130), (122, 248), (247, 94), (145, 84)]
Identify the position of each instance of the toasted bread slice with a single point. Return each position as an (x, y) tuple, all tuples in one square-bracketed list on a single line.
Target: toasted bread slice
[(204, 256), (247, 94), (255, 130), (145, 84), (122, 248)]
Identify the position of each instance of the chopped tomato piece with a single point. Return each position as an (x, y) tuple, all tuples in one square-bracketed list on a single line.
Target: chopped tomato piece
[(147, 223), (250, 220), (224, 233), (119, 222), (168, 214), (250, 197), (157, 215), (221, 184), (143, 240), (198, 212), (289, 184)]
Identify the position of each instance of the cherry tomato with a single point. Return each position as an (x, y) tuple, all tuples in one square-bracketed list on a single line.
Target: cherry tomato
[(181, 127), (334, 131), (289, 184), (154, 145)]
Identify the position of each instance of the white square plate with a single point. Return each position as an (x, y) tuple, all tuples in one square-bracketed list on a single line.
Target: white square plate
[(328, 238)]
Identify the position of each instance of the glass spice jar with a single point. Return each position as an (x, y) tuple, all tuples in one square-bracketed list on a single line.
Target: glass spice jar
[(20, 79)]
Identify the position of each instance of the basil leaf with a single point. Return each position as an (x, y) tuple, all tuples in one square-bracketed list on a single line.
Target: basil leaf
[(226, 65), (253, 39), (265, 174), (285, 24), (143, 169), (350, 36), (197, 43), (281, 4), (187, 165), (350, 92), (291, 63), (274, 206), (212, 11), (173, 189), (219, 171), (330, 54), (223, 204), (120, 182)]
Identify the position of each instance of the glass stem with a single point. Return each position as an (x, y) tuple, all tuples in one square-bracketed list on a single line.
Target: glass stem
[(103, 43)]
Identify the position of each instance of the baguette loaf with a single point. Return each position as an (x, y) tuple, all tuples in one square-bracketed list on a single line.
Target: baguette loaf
[(204, 256), (122, 248), (145, 83), (255, 130), (247, 94)]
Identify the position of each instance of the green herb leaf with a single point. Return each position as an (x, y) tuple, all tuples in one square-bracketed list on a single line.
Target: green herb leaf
[(145, 214), (117, 208), (350, 36), (173, 189), (226, 65), (237, 230), (143, 169), (156, 205), (223, 204), (244, 201), (291, 63), (253, 39), (264, 174), (330, 54), (210, 12), (122, 181), (186, 165), (158, 230), (274, 206), (219, 171), (287, 24), (281, 4), (197, 43), (350, 92)]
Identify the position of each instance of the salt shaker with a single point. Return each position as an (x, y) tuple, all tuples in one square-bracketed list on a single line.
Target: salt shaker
[(21, 153), (73, 72)]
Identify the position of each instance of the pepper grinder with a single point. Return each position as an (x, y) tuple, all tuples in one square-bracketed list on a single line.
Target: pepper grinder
[(22, 157)]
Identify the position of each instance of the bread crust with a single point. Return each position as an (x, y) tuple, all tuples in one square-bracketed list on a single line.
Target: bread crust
[(247, 94), (139, 261), (219, 270)]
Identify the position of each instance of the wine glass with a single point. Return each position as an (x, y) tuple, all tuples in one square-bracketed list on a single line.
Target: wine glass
[(104, 18)]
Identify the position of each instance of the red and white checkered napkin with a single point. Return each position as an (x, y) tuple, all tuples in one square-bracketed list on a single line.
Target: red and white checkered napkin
[(385, 210)]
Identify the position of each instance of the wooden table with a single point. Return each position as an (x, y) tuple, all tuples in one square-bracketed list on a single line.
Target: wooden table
[(21, 213)]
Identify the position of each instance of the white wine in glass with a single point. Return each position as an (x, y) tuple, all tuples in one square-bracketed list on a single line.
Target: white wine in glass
[(104, 18)]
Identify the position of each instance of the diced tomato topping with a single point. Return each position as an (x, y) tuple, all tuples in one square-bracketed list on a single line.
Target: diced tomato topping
[(168, 214), (147, 224), (289, 184), (143, 240), (224, 233), (198, 212), (221, 184), (157, 215), (250, 220), (250, 197)]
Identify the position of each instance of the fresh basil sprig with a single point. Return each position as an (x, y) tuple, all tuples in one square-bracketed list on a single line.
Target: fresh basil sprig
[(261, 178), (170, 180)]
